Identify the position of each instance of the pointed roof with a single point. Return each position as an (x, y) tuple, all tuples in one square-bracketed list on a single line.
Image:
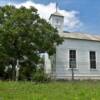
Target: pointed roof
[(56, 13)]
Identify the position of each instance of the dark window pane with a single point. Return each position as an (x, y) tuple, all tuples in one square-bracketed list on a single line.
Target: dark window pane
[(72, 58), (92, 60)]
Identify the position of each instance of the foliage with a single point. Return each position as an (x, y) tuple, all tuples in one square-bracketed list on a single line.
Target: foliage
[(26, 71), (23, 36), (40, 76)]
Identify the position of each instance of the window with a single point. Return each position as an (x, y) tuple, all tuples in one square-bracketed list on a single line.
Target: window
[(72, 58), (92, 60), (57, 21)]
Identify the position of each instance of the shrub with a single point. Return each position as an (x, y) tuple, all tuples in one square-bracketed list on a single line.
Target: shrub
[(40, 76)]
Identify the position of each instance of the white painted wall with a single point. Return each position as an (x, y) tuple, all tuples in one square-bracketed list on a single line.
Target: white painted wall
[(57, 22), (82, 47)]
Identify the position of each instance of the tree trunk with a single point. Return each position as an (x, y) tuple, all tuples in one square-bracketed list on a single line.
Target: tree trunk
[(13, 72), (17, 70)]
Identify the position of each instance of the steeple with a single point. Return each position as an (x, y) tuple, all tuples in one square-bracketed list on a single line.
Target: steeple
[(57, 20), (56, 6)]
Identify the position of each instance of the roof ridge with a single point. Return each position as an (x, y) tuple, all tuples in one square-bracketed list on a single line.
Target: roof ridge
[(81, 36)]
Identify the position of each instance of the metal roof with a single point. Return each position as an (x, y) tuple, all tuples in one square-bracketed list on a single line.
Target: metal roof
[(80, 36), (56, 14)]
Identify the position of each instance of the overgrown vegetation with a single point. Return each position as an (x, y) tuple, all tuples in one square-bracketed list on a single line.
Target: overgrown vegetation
[(77, 90), (23, 37)]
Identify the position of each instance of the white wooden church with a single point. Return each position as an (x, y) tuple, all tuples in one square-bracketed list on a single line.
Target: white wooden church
[(79, 51)]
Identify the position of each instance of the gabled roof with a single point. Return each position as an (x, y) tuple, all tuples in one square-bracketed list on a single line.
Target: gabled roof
[(80, 36)]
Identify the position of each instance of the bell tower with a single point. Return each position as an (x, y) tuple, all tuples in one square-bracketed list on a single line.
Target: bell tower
[(57, 20)]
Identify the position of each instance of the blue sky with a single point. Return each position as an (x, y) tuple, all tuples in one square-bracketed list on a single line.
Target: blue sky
[(86, 13)]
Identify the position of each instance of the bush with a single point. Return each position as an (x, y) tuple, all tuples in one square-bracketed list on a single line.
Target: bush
[(40, 76), (26, 73)]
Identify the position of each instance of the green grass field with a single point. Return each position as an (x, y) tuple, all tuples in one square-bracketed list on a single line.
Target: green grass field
[(79, 90)]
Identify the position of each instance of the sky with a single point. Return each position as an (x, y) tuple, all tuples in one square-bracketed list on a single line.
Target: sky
[(80, 15)]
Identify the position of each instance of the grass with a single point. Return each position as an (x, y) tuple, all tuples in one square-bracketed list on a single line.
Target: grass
[(79, 90)]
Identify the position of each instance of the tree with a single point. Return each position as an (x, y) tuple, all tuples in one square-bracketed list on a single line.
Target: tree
[(23, 36)]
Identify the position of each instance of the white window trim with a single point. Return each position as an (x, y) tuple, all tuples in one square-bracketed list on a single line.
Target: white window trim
[(76, 59)]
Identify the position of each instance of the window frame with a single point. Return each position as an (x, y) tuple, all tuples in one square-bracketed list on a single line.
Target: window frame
[(92, 57), (72, 59)]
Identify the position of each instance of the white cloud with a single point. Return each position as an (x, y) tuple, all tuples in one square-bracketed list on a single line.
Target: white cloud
[(71, 21)]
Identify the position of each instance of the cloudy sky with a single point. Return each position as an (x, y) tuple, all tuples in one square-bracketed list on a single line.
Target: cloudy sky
[(80, 15)]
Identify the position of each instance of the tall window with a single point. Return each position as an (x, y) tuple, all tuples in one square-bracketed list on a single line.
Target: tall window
[(92, 60), (72, 58)]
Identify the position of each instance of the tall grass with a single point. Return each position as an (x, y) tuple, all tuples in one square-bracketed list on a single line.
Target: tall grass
[(80, 90)]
